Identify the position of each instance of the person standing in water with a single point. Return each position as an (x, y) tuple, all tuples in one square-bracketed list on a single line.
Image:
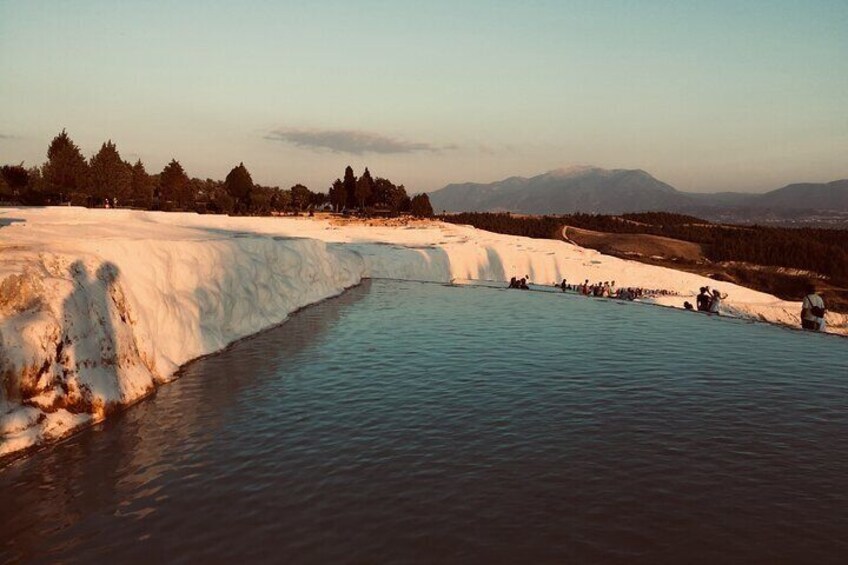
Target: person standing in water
[(703, 300), (812, 311), (715, 301)]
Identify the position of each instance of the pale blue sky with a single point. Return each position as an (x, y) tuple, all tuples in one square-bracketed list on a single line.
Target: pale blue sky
[(704, 95)]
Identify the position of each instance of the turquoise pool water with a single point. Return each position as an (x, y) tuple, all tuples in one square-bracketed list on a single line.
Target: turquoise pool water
[(408, 422)]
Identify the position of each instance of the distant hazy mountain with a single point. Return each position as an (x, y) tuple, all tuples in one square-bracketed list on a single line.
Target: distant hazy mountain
[(563, 191), (808, 196), (595, 190)]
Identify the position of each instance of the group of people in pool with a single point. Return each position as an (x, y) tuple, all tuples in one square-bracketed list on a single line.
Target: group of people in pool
[(707, 301), (812, 307), (607, 289), (521, 283)]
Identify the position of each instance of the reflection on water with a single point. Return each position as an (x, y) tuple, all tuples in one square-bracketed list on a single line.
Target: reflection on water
[(147, 446), (416, 422)]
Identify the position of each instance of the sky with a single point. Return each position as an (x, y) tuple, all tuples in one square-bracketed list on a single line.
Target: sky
[(707, 96)]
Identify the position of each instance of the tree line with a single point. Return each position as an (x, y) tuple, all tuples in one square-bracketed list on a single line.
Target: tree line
[(823, 251), (106, 179)]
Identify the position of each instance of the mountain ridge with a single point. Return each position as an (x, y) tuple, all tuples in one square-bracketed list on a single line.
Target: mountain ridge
[(597, 190)]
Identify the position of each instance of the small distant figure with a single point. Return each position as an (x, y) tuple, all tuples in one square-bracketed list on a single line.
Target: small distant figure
[(715, 301), (522, 284), (813, 311), (563, 285), (513, 282), (688, 305), (703, 299)]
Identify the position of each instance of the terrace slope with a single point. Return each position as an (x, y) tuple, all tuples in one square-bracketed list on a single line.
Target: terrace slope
[(99, 307)]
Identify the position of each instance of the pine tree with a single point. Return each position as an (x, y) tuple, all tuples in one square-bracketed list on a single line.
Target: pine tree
[(35, 181), (174, 187), (350, 187), (338, 196), (220, 200), (281, 200), (386, 194), (300, 197), (111, 177), (141, 191), (420, 206), (262, 199), (65, 172), (239, 185), (318, 200), (15, 177)]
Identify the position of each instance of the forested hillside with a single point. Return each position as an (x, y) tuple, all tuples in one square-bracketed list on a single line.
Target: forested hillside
[(824, 251)]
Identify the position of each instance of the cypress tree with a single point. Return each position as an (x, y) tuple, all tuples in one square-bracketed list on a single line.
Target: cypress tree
[(349, 187), (364, 188)]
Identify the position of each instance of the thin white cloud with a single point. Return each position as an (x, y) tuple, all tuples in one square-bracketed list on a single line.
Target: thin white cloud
[(355, 142)]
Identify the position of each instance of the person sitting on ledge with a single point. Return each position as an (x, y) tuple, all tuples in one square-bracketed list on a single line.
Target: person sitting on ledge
[(522, 284), (513, 282)]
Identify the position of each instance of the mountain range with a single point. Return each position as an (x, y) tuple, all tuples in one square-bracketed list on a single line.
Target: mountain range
[(614, 191)]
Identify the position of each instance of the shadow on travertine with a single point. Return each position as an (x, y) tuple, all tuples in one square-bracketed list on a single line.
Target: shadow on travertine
[(88, 338), (100, 360), (80, 360), (383, 260), (495, 267)]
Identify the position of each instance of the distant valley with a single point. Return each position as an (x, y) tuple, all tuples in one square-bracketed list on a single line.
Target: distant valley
[(615, 191)]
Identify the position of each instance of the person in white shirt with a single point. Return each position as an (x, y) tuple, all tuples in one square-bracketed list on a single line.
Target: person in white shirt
[(715, 301), (812, 311)]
